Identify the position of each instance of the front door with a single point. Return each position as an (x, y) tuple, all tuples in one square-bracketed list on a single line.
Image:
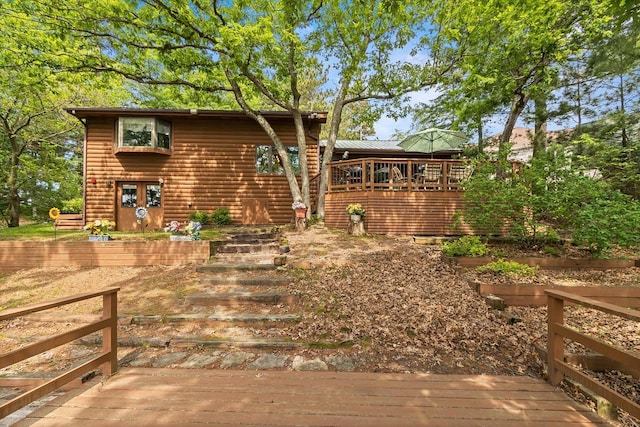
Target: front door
[(132, 195)]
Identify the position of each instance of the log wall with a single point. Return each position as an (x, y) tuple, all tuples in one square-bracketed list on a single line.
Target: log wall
[(212, 165), (18, 255), (398, 212)]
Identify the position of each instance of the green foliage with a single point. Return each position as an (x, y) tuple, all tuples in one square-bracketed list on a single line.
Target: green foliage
[(502, 267), (199, 216), (465, 246), (553, 193), (72, 205), (605, 222), (221, 216)]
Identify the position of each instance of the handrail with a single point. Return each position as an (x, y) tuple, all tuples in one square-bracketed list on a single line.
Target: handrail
[(557, 331), (401, 174), (108, 358)]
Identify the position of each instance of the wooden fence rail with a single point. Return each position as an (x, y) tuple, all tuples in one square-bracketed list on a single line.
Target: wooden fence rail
[(108, 358), (557, 331)]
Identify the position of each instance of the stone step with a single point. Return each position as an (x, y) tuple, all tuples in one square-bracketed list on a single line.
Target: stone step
[(220, 267), (255, 238), (226, 317), (256, 343), (247, 248), (190, 342), (244, 281), (238, 298)]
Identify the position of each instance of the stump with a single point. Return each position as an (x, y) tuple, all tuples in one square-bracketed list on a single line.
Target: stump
[(301, 224), (356, 228)]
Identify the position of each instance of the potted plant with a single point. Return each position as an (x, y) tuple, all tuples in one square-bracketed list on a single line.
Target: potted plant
[(300, 208), (99, 230), (356, 212), (191, 231)]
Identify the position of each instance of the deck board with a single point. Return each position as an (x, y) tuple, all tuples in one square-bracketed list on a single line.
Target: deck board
[(146, 397)]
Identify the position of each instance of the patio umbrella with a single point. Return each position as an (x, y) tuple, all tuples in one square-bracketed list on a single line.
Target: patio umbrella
[(433, 139)]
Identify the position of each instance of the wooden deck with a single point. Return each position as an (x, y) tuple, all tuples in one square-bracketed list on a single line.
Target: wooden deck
[(151, 397)]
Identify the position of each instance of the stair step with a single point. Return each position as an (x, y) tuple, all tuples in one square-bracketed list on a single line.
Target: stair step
[(227, 317), (229, 266), (244, 281), (211, 342), (255, 238), (256, 343), (247, 248), (241, 298)]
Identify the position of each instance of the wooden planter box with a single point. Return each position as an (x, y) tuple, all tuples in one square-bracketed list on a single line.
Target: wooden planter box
[(18, 255), (533, 295), (548, 263)]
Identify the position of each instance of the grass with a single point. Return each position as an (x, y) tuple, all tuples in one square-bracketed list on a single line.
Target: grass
[(45, 231)]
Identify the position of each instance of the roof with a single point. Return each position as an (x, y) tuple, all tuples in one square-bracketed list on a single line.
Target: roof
[(83, 112), (364, 144), (522, 138)]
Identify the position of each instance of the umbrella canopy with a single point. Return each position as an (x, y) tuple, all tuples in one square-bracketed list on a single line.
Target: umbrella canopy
[(433, 139)]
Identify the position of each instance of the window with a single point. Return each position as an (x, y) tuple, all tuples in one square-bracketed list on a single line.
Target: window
[(268, 161), (153, 195), (143, 132), (129, 195)]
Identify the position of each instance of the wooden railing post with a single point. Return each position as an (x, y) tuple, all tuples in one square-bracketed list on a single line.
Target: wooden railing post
[(110, 333), (555, 345)]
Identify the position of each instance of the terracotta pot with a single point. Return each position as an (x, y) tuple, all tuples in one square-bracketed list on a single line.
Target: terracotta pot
[(301, 213)]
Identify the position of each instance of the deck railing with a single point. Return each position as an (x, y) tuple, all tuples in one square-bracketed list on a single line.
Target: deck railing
[(376, 174), (108, 358), (557, 331)]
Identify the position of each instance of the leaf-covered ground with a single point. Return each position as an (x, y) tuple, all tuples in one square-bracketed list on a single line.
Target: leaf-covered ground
[(407, 310)]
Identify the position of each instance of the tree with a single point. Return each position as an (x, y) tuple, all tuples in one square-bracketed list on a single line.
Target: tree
[(38, 140), (510, 53), (258, 52)]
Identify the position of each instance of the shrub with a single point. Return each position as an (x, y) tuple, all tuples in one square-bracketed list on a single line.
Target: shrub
[(199, 216), (72, 205), (611, 220), (508, 267), (465, 246), (221, 216)]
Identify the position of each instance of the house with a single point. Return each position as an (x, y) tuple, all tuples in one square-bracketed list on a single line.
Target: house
[(346, 149), (173, 162), (522, 142)]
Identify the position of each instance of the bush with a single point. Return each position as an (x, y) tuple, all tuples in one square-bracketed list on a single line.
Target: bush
[(611, 220), (508, 267), (72, 206), (199, 216), (221, 216), (465, 246)]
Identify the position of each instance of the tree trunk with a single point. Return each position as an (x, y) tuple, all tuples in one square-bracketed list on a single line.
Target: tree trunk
[(334, 126), (302, 159), (480, 135), (540, 127), (12, 184), (517, 106)]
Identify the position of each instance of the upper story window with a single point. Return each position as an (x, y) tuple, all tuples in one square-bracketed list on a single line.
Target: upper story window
[(143, 134), (268, 161)]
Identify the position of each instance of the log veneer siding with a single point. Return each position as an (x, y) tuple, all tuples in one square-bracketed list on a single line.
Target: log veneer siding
[(397, 212), (211, 165)]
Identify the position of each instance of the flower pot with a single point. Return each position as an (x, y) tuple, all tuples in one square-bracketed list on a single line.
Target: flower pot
[(179, 238), (301, 213), (99, 238), (356, 218)]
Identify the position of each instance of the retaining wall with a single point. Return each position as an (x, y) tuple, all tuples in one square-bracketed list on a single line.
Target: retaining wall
[(18, 255)]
